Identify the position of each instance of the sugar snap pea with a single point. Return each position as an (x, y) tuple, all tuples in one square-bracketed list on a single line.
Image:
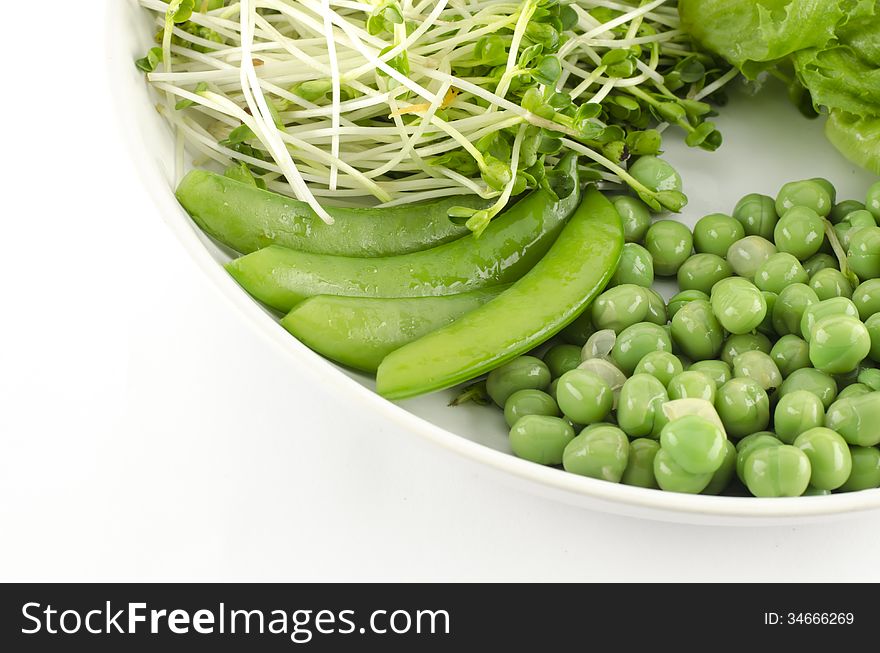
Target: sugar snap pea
[(547, 298), (509, 247), (360, 331), (247, 218)]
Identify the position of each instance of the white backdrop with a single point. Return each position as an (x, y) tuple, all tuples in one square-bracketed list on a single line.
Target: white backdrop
[(146, 433)]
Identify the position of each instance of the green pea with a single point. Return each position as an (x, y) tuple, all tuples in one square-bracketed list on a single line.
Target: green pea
[(766, 326), (820, 261), (805, 193), (715, 233), (655, 173), (702, 271), (829, 188), (662, 365), (523, 373), (872, 324), (718, 371), (779, 271), (830, 283), (870, 377), (580, 330), (792, 303), (656, 308), (637, 340), (836, 306), (639, 470), (748, 254), (863, 254), (799, 232), (584, 397), (815, 492), (634, 215), (673, 478), (830, 459), (600, 453), (561, 359), (692, 385), (854, 390), (738, 305), (683, 298), (636, 267), (759, 367), (743, 406), (856, 419), (696, 332), (866, 298), (757, 214), (529, 402), (811, 380), (782, 471), (853, 224), (838, 344), (751, 443), (872, 201), (865, 474), (540, 438), (694, 443), (842, 209), (670, 244), (640, 405), (797, 412), (740, 344), (620, 307), (790, 353), (724, 474)]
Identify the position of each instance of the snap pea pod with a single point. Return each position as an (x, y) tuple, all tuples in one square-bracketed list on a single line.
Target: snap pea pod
[(545, 300), (359, 332), (247, 218), (508, 248)]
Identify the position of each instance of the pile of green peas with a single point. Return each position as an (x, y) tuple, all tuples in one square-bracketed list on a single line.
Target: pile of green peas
[(760, 376)]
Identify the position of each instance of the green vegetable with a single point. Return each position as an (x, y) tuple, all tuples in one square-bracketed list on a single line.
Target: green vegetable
[(759, 367), (547, 298), (724, 474), (718, 371), (716, 232), (836, 306), (830, 458), (790, 353), (540, 438), (562, 358), (791, 305), (529, 402), (639, 470), (507, 250), (738, 305), (865, 474), (757, 214), (838, 344), (830, 283), (679, 300), (620, 307), (672, 477), (670, 244), (636, 267), (639, 409), (748, 254), (807, 194), (743, 407), (779, 271), (247, 218), (583, 396), (696, 332), (702, 271), (751, 443), (782, 471), (635, 341), (525, 372), (601, 452), (856, 419), (662, 365), (866, 298), (818, 262), (360, 331), (694, 443), (692, 384), (635, 217), (742, 343), (796, 413), (812, 380), (863, 254), (800, 232)]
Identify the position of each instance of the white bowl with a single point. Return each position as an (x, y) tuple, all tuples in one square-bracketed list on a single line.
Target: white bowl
[(767, 144)]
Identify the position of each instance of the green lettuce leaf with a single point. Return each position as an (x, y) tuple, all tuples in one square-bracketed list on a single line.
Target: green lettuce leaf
[(838, 78), (754, 34), (858, 139), (863, 36)]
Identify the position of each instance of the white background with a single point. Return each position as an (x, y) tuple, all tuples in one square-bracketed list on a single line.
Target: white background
[(146, 432)]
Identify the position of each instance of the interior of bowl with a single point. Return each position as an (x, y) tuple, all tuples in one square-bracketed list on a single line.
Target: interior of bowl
[(766, 143)]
